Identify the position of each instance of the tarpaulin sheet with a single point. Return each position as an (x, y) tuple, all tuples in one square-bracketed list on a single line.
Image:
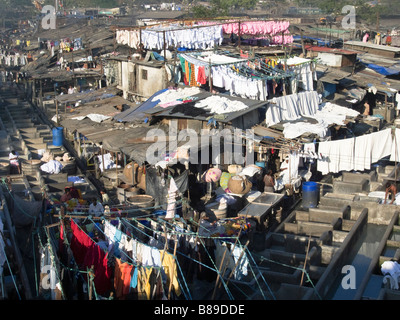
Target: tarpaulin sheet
[(158, 191), (383, 70), (137, 114)]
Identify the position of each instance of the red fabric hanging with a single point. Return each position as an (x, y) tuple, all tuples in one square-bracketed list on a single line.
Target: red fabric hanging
[(87, 254), (80, 243)]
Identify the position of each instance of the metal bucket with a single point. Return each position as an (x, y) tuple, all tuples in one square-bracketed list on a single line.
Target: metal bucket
[(141, 201), (121, 191)]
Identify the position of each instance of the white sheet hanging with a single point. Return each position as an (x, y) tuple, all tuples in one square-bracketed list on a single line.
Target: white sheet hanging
[(176, 36), (337, 156), (355, 153), (395, 152), (381, 144), (303, 70), (292, 107)]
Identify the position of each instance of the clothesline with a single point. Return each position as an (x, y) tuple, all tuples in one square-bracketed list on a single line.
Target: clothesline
[(154, 266)]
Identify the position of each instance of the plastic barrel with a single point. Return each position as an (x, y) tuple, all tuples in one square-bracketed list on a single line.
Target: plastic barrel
[(58, 136), (310, 194)]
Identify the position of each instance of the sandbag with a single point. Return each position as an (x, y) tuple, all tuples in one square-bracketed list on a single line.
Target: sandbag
[(239, 185), (223, 182)]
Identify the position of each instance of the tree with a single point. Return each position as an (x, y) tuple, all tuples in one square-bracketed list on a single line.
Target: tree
[(222, 7)]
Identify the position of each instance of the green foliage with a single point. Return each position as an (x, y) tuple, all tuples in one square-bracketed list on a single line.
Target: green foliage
[(369, 13), (222, 7), (364, 10), (86, 3), (14, 3), (327, 6), (203, 12)]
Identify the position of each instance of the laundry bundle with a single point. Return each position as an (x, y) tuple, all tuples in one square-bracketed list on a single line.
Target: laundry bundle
[(239, 185), (212, 175), (220, 105)]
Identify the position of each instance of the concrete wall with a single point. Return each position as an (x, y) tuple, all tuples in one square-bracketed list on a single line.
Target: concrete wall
[(156, 80), (333, 270), (330, 59), (377, 213)]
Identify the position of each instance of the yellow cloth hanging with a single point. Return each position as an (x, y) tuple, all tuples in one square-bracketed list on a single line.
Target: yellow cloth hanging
[(170, 270), (144, 286)]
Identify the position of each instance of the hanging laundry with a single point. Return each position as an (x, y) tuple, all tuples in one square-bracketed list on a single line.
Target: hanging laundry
[(171, 200), (122, 278), (170, 269), (87, 254), (272, 28), (177, 36), (304, 71), (292, 107), (395, 152), (354, 153)]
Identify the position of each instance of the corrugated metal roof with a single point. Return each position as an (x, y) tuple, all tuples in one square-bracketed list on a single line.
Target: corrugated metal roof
[(228, 117), (330, 50), (361, 44)]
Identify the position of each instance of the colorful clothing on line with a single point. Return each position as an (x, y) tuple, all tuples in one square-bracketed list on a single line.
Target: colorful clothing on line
[(122, 278)]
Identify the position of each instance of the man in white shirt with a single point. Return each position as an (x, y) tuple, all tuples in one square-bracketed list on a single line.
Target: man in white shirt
[(71, 90), (96, 208)]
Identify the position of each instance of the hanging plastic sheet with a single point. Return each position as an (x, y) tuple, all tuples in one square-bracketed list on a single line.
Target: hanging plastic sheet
[(157, 186), (25, 211)]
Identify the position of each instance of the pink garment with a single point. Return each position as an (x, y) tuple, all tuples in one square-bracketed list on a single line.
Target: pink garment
[(366, 36), (253, 27), (213, 174), (171, 103)]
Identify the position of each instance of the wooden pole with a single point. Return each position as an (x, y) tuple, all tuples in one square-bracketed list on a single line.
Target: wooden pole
[(102, 157), (305, 260), (170, 280), (210, 75), (116, 166), (164, 45), (57, 112), (239, 34)]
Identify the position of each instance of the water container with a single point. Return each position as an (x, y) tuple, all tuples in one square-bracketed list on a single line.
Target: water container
[(58, 136), (310, 194)]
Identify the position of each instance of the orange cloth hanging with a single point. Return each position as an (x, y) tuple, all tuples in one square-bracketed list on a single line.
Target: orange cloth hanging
[(193, 82), (187, 75), (122, 278)]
